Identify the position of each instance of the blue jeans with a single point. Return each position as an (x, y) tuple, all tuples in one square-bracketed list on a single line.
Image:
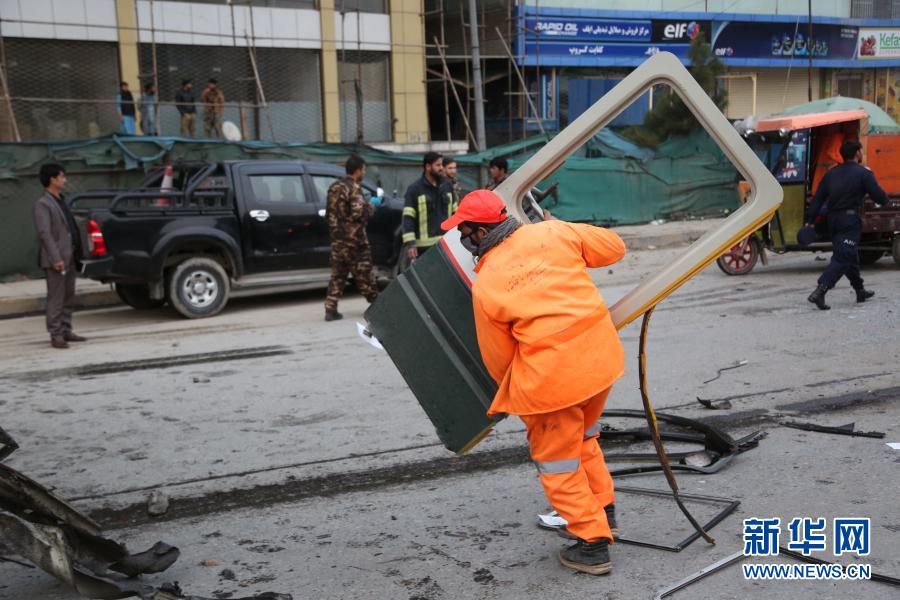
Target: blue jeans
[(127, 125)]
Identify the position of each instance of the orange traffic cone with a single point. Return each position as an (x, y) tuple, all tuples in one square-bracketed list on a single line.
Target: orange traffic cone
[(166, 186)]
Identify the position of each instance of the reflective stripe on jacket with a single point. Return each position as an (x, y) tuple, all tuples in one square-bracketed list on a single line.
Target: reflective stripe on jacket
[(425, 207), (544, 331)]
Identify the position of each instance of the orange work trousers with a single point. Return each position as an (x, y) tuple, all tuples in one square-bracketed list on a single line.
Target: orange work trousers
[(574, 475)]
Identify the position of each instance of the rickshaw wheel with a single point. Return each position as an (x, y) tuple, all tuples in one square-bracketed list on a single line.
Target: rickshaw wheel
[(740, 258), (869, 257)]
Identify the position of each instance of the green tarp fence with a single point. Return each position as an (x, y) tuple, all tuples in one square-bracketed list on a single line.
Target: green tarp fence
[(610, 181)]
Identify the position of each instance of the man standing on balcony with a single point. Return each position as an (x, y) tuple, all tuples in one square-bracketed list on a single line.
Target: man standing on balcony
[(125, 109), (148, 111), (185, 102), (213, 106)]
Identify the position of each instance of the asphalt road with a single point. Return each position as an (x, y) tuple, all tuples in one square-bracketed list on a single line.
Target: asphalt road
[(297, 458)]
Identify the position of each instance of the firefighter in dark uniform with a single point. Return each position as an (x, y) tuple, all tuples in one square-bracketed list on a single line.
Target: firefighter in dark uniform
[(840, 196), (347, 213), (450, 187), (425, 208)]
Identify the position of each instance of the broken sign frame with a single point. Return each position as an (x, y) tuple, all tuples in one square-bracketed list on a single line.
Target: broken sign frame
[(663, 68), (729, 507)]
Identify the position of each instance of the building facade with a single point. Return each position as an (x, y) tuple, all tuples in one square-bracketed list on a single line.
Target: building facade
[(290, 70), (776, 54)]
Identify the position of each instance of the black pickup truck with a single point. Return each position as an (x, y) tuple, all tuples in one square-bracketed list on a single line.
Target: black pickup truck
[(222, 229)]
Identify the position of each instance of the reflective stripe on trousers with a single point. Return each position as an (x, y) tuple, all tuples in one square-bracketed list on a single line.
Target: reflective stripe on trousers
[(555, 467), (593, 430)]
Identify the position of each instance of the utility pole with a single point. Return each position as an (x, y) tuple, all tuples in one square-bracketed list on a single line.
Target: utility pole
[(476, 75), (809, 53)]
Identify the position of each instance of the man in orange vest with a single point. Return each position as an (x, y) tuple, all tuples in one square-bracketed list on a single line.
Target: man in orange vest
[(548, 340)]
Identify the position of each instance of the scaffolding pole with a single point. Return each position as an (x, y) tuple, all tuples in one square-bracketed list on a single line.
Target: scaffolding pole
[(522, 82), (259, 88), (6, 93), (476, 74), (455, 94)]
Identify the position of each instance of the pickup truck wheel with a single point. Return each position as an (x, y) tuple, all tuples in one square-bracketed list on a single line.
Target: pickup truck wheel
[(137, 296), (198, 287)]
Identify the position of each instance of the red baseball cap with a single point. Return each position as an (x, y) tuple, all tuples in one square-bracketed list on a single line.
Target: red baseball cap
[(480, 206)]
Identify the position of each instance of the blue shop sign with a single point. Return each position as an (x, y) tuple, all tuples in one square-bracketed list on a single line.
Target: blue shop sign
[(547, 50), (784, 40), (565, 28)]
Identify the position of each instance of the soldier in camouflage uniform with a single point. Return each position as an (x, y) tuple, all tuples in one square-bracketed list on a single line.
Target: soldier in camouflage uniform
[(347, 213)]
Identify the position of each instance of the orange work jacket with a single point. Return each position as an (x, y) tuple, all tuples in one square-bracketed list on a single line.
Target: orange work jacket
[(544, 331)]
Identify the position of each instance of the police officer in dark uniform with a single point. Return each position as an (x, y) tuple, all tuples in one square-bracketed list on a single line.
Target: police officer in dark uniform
[(347, 213), (840, 196)]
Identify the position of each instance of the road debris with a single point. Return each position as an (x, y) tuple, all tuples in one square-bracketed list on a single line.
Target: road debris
[(715, 404), (553, 520), (848, 429), (45, 530), (736, 365), (157, 503)]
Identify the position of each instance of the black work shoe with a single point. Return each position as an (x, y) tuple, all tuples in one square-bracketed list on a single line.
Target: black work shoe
[(862, 294), (818, 298), (587, 557), (333, 316), (611, 519), (59, 342), (71, 336)]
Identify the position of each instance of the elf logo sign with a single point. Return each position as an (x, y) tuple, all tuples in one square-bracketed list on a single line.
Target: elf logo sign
[(679, 32)]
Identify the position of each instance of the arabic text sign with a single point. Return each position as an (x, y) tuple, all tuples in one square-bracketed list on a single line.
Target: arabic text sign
[(595, 50), (563, 28)]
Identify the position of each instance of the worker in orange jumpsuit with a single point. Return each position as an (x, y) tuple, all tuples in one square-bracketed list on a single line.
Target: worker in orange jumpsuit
[(548, 340)]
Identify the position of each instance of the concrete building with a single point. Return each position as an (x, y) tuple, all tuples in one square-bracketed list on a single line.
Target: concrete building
[(291, 70), (572, 51)]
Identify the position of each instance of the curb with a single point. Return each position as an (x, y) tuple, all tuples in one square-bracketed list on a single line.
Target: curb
[(36, 305), (11, 307), (665, 240)]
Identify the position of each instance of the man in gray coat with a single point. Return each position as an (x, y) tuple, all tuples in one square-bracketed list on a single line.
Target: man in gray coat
[(60, 244)]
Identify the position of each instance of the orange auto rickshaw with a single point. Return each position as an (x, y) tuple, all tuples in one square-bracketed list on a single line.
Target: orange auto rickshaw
[(799, 150)]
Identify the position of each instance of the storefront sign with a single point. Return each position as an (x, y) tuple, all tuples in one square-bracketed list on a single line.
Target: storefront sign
[(680, 32), (758, 40), (550, 50), (877, 44), (562, 28)]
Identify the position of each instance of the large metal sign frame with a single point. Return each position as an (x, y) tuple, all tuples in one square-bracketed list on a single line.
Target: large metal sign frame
[(664, 68)]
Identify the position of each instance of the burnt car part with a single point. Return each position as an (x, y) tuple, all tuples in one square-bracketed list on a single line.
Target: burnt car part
[(44, 529), (720, 447), (848, 429)]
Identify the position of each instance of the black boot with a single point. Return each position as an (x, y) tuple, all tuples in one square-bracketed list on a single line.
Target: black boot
[(587, 557), (818, 298), (862, 294), (611, 519), (333, 316)]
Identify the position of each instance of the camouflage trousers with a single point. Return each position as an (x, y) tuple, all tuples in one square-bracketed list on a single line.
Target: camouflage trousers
[(347, 259)]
